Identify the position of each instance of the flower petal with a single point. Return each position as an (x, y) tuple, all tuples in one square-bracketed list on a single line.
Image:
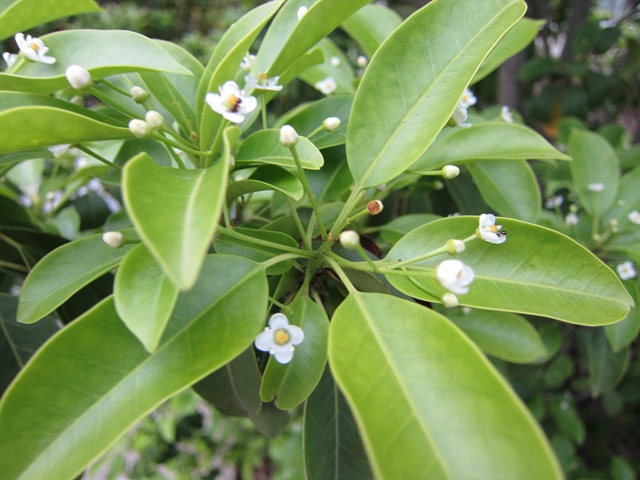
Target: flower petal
[(278, 321), (264, 340), (297, 335), (284, 354)]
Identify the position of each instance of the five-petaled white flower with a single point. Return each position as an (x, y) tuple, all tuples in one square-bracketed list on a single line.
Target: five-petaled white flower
[(231, 103), (626, 270), (467, 99), (489, 231), (33, 49), (279, 338), (634, 217), (571, 219), (554, 201), (455, 276), (262, 82), (327, 85), (595, 187)]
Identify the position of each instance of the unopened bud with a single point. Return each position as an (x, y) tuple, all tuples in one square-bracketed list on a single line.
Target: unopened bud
[(362, 61), (438, 185), (113, 239), (78, 77), (374, 207), (349, 239), (455, 246), (288, 136), (449, 300), (450, 171), (154, 119), (139, 94), (140, 128), (331, 123)]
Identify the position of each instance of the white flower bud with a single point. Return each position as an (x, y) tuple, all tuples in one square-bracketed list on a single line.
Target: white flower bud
[(78, 77), (450, 171), (302, 11), (449, 300), (362, 61), (113, 239), (455, 246), (288, 136), (331, 123), (349, 239), (140, 128), (335, 61), (155, 119), (139, 94)]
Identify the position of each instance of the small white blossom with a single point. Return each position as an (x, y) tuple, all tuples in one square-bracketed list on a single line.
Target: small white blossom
[(288, 136), (595, 187), (450, 171), (626, 270), (554, 201), (459, 116), (302, 11), (140, 128), (247, 62), (455, 276), (634, 217), (335, 62), (506, 114), (113, 239), (330, 123), (362, 61), (489, 231), (571, 219), (449, 300), (231, 103), (327, 85), (467, 99), (262, 82), (33, 49), (279, 338), (9, 58)]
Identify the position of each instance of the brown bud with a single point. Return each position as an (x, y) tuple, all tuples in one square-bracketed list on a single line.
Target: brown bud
[(375, 207)]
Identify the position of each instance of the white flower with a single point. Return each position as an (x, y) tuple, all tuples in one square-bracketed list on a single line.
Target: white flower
[(113, 239), (334, 61), (279, 338), (231, 103), (78, 77), (626, 270), (554, 201), (455, 276), (489, 231), (571, 219), (468, 99), (9, 58), (263, 82), (349, 239), (449, 300), (302, 11), (330, 123), (33, 49), (326, 86), (459, 116), (362, 61), (450, 171), (595, 187), (634, 217), (154, 119), (288, 136), (506, 115), (247, 62), (140, 128)]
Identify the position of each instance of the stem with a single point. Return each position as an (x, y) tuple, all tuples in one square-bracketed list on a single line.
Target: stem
[(343, 276), (230, 232), (208, 156), (432, 253), (20, 62), (315, 132), (107, 101), (113, 87), (14, 266), (176, 158), (96, 156), (366, 258), (178, 145), (298, 222), (264, 110), (280, 258)]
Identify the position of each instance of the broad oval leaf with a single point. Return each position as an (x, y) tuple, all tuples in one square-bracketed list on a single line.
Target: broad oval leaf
[(269, 177), (628, 200), (144, 297), (175, 212), (487, 141), (414, 82), (426, 399), (624, 333), (101, 52), (536, 271), (371, 25), (264, 146), (64, 271), (76, 385), (606, 368), (399, 227)]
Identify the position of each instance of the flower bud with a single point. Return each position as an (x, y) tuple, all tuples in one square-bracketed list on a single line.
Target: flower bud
[(78, 77), (374, 207), (139, 94), (438, 185), (331, 123), (288, 136), (455, 246), (362, 61), (140, 128), (349, 239), (154, 119), (302, 11), (113, 239), (449, 300), (450, 171)]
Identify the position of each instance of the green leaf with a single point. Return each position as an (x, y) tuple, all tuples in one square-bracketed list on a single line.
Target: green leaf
[(568, 421), (594, 162), (401, 94), (271, 421), (21, 15), (487, 141), (536, 271), (371, 25), (509, 187), (292, 383), (342, 74), (102, 52), (264, 146), (426, 400), (144, 297), (515, 40), (628, 200), (269, 177), (96, 376), (399, 227), (332, 444), (502, 335), (623, 333), (175, 212), (606, 368), (64, 271)]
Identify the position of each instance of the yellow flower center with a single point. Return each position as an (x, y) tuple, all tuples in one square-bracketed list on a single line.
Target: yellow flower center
[(233, 103), (262, 79), (492, 228), (281, 336), (34, 46)]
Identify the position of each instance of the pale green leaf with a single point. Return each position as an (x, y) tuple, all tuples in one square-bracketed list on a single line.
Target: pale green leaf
[(623, 333), (269, 177), (371, 25), (264, 146)]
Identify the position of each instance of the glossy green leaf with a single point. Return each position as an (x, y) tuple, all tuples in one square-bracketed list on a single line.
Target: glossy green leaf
[(594, 163), (568, 421), (271, 421), (536, 271), (509, 187), (332, 445), (371, 25), (623, 333), (269, 177), (403, 101), (21, 15), (342, 73), (606, 368), (144, 297), (399, 227), (120, 51), (628, 200), (175, 212), (64, 271), (408, 382), (77, 385), (264, 146), (502, 335), (291, 384), (487, 141), (515, 40)]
